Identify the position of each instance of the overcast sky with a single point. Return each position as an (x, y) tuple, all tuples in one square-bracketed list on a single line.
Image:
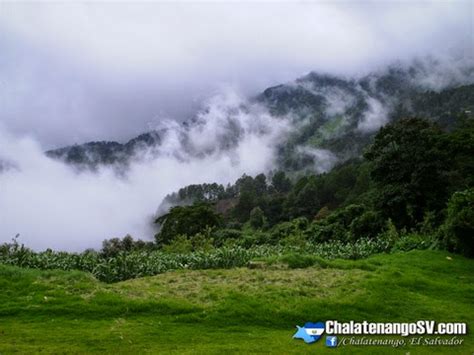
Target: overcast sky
[(73, 72)]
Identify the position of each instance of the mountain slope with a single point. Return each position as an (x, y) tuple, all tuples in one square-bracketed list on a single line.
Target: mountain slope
[(332, 118), (339, 117), (94, 154)]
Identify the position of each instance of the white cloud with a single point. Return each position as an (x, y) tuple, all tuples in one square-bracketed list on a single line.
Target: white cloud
[(72, 72), (51, 206), (375, 116), (100, 70), (324, 159)]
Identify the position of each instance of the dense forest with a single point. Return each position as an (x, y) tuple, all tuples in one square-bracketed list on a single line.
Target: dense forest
[(415, 178)]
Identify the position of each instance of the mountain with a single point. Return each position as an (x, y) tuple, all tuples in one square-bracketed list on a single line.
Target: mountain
[(333, 118), (338, 117), (94, 154)]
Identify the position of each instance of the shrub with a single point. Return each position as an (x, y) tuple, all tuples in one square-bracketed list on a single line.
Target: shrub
[(233, 225), (298, 261), (189, 220), (413, 241), (180, 244), (295, 227), (202, 242), (369, 225), (345, 215), (429, 224), (112, 247), (297, 241), (257, 218), (322, 214), (458, 228), (222, 236), (337, 226), (319, 233), (390, 234), (281, 230), (252, 239)]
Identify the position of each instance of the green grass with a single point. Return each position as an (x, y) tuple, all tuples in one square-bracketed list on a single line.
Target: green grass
[(236, 310)]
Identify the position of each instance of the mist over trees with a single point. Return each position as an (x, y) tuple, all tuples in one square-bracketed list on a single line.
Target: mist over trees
[(404, 181), (411, 189)]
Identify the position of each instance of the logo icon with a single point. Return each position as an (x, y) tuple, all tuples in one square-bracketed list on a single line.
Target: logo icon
[(331, 341), (310, 332)]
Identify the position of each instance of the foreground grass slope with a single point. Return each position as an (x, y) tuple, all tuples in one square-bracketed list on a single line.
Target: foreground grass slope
[(238, 310)]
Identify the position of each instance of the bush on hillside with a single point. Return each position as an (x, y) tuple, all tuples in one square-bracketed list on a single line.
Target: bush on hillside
[(458, 228)]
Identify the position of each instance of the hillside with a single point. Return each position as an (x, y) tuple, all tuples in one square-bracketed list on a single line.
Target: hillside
[(237, 311), (93, 154), (340, 116), (331, 118)]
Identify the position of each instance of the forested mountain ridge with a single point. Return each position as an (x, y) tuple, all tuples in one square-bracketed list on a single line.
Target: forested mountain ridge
[(94, 154), (402, 164), (341, 116), (332, 118)]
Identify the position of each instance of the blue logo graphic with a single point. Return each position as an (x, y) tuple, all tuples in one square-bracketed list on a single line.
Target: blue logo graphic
[(331, 341), (310, 332)]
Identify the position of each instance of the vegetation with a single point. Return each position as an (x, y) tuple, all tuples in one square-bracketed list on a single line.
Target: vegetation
[(405, 194), (183, 253), (186, 220), (409, 166), (458, 228), (404, 183), (234, 311), (409, 198)]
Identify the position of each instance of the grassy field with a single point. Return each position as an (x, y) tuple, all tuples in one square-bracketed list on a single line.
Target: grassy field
[(237, 311)]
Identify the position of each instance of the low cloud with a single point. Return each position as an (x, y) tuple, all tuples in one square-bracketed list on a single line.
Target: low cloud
[(53, 206), (75, 72), (323, 159), (375, 116), (72, 72)]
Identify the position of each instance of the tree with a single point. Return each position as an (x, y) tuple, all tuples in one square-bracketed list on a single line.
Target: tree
[(458, 228), (260, 185), (409, 167), (257, 218), (368, 225), (274, 209), (322, 213), (303, 200), (247, 201), (280, 182), (114, 246), (186, 220), (460, 146), (248, 197)]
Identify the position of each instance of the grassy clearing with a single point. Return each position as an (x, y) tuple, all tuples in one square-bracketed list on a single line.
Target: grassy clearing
[(238, 310)]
